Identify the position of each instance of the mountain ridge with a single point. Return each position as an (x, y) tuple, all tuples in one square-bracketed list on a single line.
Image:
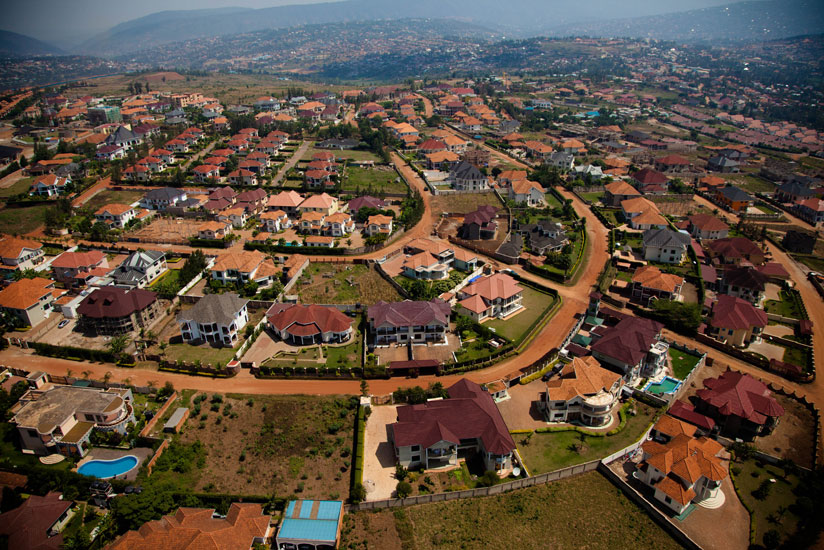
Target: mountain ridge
[(14, 44)]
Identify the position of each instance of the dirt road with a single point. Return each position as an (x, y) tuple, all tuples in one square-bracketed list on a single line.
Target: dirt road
[(291, 162)]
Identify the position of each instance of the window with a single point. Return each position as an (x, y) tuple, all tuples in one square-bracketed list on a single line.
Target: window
[(416, 458), (416, 448)]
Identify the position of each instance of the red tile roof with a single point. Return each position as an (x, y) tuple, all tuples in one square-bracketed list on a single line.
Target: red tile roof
[(307, 320), (629, 340), (738, 394), (78, 259), (27, 525), (648, 176), (409, 313), (707, 222), (733, 313)]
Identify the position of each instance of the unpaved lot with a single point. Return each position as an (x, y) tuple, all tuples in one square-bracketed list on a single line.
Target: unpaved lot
[(379, 456)]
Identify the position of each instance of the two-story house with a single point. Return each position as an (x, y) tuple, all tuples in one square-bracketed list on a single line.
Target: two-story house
[(633, 347), (215, 318), (115, 215), (665, 246), (497, 295), (583, 391), (378, 224), (409, 322)]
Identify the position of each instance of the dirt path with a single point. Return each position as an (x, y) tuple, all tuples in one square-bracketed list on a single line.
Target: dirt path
[(199, 155), (289, 164), (86, 195), (11, 179), (427, 107)]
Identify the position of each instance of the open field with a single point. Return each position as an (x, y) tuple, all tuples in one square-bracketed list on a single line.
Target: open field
[(175, 231), (343, 284), (558, 516), (513, 328), (351, 154), (464, 203), (378, 179), (109, 196), (20, 186), (767, 512), (17, 221), (284, 445), (547, 452)]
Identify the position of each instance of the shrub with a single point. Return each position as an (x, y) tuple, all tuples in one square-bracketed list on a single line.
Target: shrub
[(403, 489)]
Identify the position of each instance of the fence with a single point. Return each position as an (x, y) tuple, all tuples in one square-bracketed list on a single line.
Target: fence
[(151, 423), (158, 452), (521, 483)]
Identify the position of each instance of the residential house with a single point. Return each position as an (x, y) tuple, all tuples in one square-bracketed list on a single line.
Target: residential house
[(480, 224), (302, 325), (793, 191), (69, 265), (36, 523), (243, 526), (29, 300), (112, 310), (110, 152), (244, 267), (60, 419), (206, 172), (322, 203), (311, 223), (744, 282), (583, 392), (49, 185), (733, 198), (680, 468), (242, 177), (736, 321), (365, 201), (707, 226), (19, 253), (160, 199), (810, 210), (649, 282), (497, 295), (442, 160), (215, 318), (561, 160), (723, 164), (672, 163), (214, 230), (123, 137), (633, 346), (378, 224), (429, 435), (742, 406), (642, 214), (338, 224), (310, 524), (115, 215), (735, 250), (647, 176), (409, 322), (544, 236), (617, 192), (425, 267), (438, 249), (526, 192), (252, 201), (467, 177), (236, 216), (275, 221), (665, 246), (138, 173)]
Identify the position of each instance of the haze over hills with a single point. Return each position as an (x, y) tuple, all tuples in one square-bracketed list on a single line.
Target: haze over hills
[(13, 44), (517, 18)]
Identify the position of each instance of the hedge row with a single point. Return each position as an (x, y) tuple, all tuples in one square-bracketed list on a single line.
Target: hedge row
[(75, 354), (536, 375), (194, 242), (283, 249), (357, 471)]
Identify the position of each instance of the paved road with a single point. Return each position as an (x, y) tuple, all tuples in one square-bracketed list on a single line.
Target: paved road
[(289, 164)]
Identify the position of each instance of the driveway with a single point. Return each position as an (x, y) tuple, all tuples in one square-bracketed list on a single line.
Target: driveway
[(520, 411), (379, 455), (770, 351)]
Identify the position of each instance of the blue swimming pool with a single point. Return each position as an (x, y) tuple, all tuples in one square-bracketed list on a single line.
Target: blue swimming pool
[(104, 469), (667, 385)]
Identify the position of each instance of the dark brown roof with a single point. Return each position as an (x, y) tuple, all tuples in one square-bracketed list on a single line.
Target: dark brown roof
[(629, 340), (27, 525), (745, 277), (733, 313), (115, 302), (648, 176), (734, 247), (484, 214), (469, 413), (408, 313)]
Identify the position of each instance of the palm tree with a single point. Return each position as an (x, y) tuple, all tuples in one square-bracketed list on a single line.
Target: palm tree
[(107, 377), (86, 374), (69, 373), (118, 343)]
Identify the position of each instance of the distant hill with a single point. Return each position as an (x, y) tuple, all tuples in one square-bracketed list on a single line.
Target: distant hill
[(743, 21), (518, 18), (13, 44)]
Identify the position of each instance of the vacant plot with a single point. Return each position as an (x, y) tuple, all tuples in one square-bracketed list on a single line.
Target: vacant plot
[(352, 154), (514, 328), (768, 491), (17, 221), (377, 179), (20, 186), (284, 445), (163, 230), (464, 203), (557, 516), (547, 452), (343, 284), (109, 196)]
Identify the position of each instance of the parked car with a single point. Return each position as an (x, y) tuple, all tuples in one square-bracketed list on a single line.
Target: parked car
[(63, 323)]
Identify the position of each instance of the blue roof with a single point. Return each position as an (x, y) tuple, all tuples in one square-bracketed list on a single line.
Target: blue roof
[(324, 528)]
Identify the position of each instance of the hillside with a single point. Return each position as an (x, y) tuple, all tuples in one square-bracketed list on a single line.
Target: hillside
[(13, 44)]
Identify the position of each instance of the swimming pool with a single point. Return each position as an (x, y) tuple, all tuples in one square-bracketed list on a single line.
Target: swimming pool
[(667, 385), (104, 469)]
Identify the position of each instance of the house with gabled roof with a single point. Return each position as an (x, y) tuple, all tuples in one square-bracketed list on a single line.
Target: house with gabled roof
[(288, 201), (115, 214), (467, 177), (409, 322), (323, 203), (140, 268), (68, 265), (37, 522), (160, 199), (497, 295), (665, 245), (618, 191), (378, 224), (49, 185), (214, 230), (642, 214), (215, 318), (707, 226), (17, 253), (583, 391), (243, 267), (30, 300), (428, 435), (680, 468), (736, 321), (649, 282), (526, 192), (735, 251), (733, 198), (633, 346), (742, 406)]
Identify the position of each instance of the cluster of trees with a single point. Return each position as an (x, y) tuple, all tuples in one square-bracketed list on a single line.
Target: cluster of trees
[(193, 266), (677, 316), (412, 209), (426, 290), (417, 394)]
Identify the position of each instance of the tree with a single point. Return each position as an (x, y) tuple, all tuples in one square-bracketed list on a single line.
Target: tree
[(489, 479), (358, 493), (80, 540), (401, 473), (404, 489), (20, 274), (107, 376), (364, 388), (677, 316), (772, 539), (166, 391), (118, 343)]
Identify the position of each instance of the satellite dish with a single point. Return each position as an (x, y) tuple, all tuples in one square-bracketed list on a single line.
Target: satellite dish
[(516, 472)]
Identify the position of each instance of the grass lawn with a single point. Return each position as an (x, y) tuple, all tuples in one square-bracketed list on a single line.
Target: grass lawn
[(755, 184), (346, 356), (21, 186), (547, 452), (17, 221), (465, 203), (110, 196), (795, 357), (766, 511), (765, 209), (474, 350), (377, 179), (624, 276), (785, 307), (203, 353), (813, 262), (593, 197), (613, 215), (323, 283), (552, 201), (557, 515), (11, 457), (513, 328), (682, 362)]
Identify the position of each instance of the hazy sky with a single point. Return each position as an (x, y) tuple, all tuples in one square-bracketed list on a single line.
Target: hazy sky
[(65, 22)]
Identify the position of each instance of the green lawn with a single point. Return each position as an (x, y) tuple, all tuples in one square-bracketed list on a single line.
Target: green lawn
[(767, 512), (682, 362), (535, 304), (110, 196), (11, 457), (547, 452), (795, 357), (203, 353), (813, 262), (785, 307), (755, 184), (17, 221), (323, 283), (21, 186), (593, 197), (377, 179), (347, 356)]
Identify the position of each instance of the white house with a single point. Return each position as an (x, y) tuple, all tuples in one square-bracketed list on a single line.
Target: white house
[(115, 214), (215, 318)]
